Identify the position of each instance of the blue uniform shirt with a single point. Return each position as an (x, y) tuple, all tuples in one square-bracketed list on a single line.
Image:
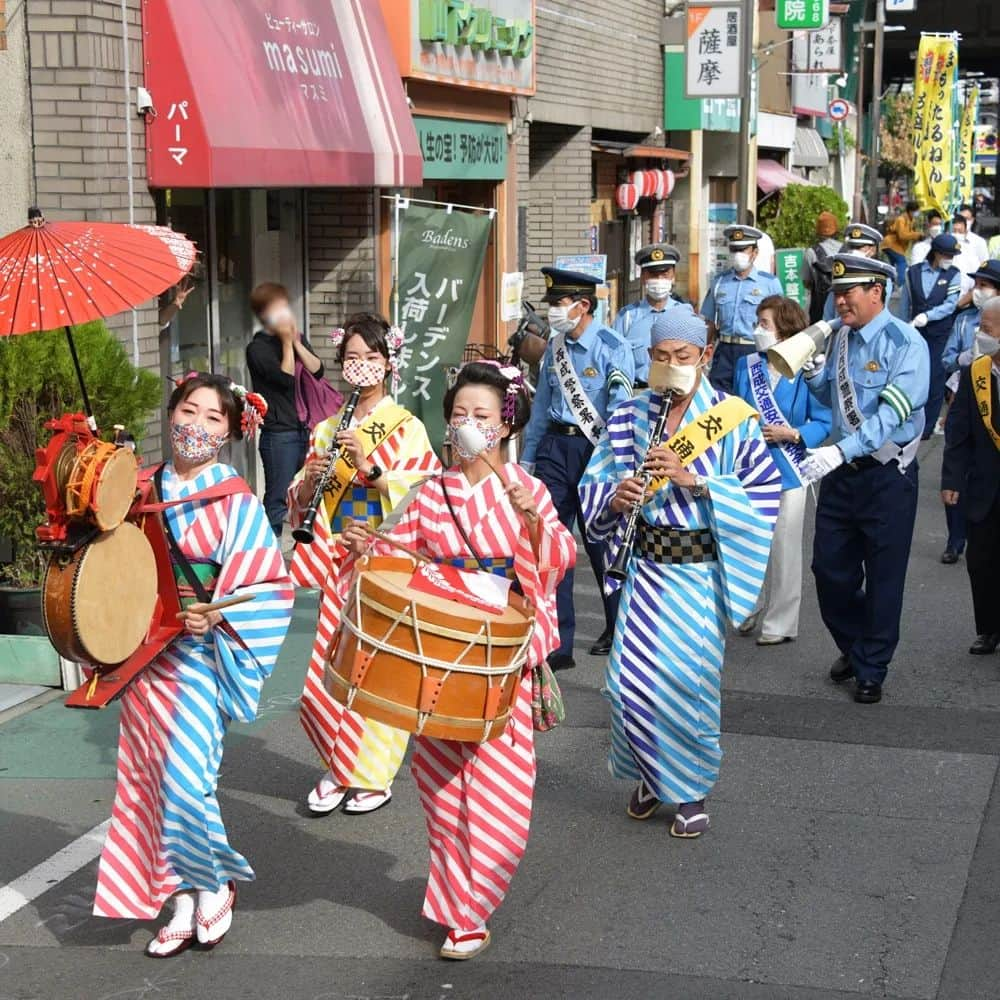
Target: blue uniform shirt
[(962, 338), (928, 278), (731, 303), (634, 323), (603, 363), (889, 365)]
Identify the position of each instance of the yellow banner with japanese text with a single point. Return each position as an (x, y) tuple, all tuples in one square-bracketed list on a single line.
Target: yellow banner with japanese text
[(935, 142), (967, 143)]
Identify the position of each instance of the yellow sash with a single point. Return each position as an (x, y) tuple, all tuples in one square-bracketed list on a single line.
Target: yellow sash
[(374, 430), (982, 386), (701, 433)]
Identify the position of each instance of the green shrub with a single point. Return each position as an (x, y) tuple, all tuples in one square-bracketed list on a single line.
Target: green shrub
[(790, 218), (38, 382)]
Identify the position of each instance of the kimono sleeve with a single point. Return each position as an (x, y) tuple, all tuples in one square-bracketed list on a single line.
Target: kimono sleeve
[(556, 546), (250, 563), (415, 460)]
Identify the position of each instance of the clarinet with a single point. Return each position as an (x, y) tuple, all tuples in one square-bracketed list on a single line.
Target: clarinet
[(304, 532), (618, 570)]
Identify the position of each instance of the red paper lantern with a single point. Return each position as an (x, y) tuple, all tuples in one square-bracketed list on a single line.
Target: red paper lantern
[(666, 184), (627, 197)]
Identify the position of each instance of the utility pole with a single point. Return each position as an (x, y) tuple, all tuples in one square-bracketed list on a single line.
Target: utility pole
[(876, 152), (862, 41), (746, 55)]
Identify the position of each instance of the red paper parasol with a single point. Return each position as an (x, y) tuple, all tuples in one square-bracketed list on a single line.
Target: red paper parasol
[(55, 274)]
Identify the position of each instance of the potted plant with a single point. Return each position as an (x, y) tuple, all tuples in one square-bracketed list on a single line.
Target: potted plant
[(790, 219), (37, 383)]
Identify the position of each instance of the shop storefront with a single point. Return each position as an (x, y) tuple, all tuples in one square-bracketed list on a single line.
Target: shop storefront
[(256, 116), (463, 72)]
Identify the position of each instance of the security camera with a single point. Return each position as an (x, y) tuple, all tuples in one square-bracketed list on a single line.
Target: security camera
[(144, 103)]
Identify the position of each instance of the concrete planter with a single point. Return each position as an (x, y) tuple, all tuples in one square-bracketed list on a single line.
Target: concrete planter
[(26, 655)]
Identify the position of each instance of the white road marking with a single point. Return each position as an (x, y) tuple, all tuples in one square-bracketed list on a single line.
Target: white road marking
[(40, 879)]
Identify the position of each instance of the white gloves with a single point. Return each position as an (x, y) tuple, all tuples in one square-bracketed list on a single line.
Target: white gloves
[(965, 359), (814, 366), (822, 461), (920, 321)]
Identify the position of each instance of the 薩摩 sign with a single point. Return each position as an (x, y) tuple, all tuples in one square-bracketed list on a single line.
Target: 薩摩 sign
[(713, 51)]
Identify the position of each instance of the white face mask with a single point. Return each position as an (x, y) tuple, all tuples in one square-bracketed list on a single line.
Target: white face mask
[(764, 339), (276, 316), (559, 319), (658, 289), (986, 344), (933, 231), (980, 296), (678, 379), (741, 260)]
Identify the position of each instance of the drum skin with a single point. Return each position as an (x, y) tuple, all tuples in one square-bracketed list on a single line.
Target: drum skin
[(466, 695), (98, 605)]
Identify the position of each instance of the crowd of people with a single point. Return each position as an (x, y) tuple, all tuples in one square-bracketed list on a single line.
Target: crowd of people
[(681, 443)]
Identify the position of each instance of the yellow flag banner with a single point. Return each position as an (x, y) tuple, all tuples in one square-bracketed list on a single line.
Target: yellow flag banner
[(967, 143), (934, 123)]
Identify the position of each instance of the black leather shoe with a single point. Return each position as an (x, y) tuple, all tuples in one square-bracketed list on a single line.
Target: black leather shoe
[(985, 645), (949, 557), (561, 661), (868, 693), (841, 670), (603, 645)]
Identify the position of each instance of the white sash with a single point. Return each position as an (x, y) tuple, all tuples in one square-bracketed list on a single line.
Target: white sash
[(770, 413), (848, 402), (587, 418)]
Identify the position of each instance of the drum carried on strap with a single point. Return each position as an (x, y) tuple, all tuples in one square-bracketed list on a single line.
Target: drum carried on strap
[(425, 664)]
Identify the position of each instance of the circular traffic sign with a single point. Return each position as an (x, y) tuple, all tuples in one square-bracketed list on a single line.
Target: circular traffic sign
[(839, 109)]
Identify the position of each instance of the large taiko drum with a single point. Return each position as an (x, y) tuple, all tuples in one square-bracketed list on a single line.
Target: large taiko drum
[(423, 663), (99, 602)]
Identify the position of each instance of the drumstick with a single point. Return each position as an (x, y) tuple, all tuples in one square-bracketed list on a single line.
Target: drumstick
[(389, 540), (219, 605)]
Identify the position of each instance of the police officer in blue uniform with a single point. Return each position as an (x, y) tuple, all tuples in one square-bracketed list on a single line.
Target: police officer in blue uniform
[(596, 375), (859, 239), (731, 304), (657, 263), (929, 300), (875, 379)]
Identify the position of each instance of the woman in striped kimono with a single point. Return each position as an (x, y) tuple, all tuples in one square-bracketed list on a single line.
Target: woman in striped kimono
[(166, 837), (386, 452), (477, 797), (699, 561)]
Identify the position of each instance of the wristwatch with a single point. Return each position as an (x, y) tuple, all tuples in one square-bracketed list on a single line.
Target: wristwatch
[(700, 488), (373, 473)]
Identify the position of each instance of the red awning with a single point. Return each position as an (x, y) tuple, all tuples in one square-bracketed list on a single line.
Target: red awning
[(772, 176), (248, 93)]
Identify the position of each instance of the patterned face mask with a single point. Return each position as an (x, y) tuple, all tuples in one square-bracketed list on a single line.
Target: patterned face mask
[(492, 435), (364, 373), (195, 443)]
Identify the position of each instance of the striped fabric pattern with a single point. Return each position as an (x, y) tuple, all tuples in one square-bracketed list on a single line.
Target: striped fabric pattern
[(166, 829), (899, 402), (359, 753), (477, 798), (665, 670)]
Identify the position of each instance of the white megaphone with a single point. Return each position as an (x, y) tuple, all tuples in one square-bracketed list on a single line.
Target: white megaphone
[(791, 355)]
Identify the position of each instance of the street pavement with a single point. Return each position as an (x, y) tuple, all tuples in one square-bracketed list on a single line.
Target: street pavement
[(853, 849)]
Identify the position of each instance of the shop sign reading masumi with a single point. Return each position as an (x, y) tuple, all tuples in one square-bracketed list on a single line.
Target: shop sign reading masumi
[(713, 63), (484, 43)]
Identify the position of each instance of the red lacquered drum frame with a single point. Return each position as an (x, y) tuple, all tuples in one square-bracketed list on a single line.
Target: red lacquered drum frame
[(425, 664)]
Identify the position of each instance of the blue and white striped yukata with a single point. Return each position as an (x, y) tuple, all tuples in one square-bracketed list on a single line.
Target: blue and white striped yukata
[(665, 670)]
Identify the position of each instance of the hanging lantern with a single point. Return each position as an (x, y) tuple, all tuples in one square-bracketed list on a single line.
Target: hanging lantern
[(638, 178), (669, 181), (627, 197)]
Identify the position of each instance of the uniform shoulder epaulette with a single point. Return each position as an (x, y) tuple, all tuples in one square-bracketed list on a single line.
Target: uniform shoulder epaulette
[(900, 333), (611, 338)]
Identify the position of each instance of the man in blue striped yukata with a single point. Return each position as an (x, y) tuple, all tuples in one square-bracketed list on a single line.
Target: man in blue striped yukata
[(698, 561)]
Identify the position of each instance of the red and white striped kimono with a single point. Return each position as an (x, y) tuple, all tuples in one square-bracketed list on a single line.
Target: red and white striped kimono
[(359, 753), (477, 797)]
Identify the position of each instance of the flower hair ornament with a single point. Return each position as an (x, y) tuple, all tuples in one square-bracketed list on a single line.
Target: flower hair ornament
[(515, 385), (395, 339), (337, 335), (254, 409)]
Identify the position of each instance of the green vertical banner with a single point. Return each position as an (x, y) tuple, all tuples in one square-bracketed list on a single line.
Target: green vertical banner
[(440, 260), (788, 266)]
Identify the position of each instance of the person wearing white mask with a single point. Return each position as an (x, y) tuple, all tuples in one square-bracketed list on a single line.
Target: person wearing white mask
[(977, 244), (657, 264), (703, 532), (731, 304), (793, 419), (935, 227), (586, 372), (970, 474)]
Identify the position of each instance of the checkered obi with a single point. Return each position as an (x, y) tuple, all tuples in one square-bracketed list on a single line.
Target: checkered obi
[(207, 573), (360, 503), (498, 565), (674, 545)]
